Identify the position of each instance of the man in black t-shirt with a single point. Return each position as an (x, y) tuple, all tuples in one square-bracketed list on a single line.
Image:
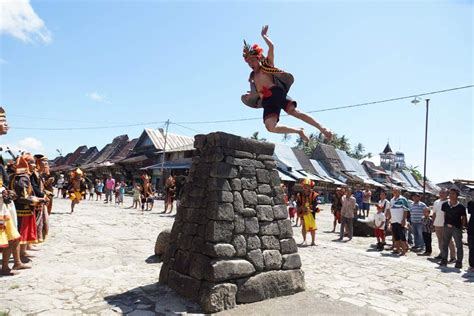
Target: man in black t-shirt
[(454, 220), (470, 235)]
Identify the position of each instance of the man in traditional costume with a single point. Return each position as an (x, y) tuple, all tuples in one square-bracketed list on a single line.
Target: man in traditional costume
[(147, 193), (25, 203), (307, 203), (76, 187), (269, 88), (9, 235), (170, 190)]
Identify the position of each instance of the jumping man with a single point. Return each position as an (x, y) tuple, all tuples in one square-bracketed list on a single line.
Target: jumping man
[(268, 89)]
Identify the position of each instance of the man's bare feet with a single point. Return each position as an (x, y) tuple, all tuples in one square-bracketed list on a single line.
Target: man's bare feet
[(303, 135), (21, 267), (327, 133)]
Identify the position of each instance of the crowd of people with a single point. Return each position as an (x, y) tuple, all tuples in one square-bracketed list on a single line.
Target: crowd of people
[(408, 220)]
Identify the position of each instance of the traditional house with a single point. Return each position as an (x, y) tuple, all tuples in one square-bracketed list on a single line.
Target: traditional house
[(153, 152)]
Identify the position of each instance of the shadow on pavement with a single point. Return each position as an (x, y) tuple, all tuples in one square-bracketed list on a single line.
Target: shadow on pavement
[(448, 269), (155, 298), (389, 254), (469, 276), (153, 259)]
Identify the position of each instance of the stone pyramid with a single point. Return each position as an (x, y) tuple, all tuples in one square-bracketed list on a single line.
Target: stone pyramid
[(232, 241)]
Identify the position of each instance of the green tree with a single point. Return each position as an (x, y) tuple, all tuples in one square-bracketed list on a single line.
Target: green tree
[(415, 172), (255, 136)]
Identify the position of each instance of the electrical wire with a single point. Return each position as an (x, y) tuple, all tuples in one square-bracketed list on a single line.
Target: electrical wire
[(181, 124), (84, 128)]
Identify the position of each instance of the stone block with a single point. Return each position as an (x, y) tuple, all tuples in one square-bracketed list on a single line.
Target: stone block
[(236, 184), (256, 258), (263, 176), (270, 284), (220, 196), (250, 197), (288, 246), (251, 225), (164, 271), (240, 245), (286, 230), (270, 165), (265, 189), (247, 171), (280, 211), (264, 200), (238, 153), (239, 224), (162, 242), (272, 259), (274, 178), (264, 213), (269, 228), (249, 212), (197, 244), (220, 211), (182, 262), (199, 264), (223, 170), (184, 285), (220, 250), (214, 298), (262, 157), (219, 231), (190, 229), (238, 203), (199, 141), (218, 184), (270, 243), (222, 270), (291, 261), (249, 183), (253, 242)]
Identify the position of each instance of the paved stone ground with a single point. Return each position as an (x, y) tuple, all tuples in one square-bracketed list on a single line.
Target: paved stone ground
[(98, 261)]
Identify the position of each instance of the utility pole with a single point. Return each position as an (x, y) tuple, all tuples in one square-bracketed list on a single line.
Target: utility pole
[(167, 124), (426, 146)]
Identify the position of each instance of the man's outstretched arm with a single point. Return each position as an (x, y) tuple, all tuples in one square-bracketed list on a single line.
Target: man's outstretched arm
[(270, 55)]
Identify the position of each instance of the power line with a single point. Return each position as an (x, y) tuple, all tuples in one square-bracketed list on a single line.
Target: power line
[(188, 128), (84, 128), (181, 124), (338, 107)]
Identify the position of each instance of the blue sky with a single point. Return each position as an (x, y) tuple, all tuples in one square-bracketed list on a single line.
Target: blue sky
[(108, 63)]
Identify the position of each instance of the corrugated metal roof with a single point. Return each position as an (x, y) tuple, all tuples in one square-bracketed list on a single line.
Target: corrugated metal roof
[(285, 155), (352, 165), (172, 140), (285, 177), (323, 173)]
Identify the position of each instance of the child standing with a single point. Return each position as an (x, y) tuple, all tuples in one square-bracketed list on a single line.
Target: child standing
[(292, 209), (427, 223), (380, 227), (136, 196)]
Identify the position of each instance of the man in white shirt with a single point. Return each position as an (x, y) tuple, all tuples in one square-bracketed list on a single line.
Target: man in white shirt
[(438, 223)]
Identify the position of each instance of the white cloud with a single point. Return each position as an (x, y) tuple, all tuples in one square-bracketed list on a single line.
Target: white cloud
[(18, 19), (31, 144), (97, 97)]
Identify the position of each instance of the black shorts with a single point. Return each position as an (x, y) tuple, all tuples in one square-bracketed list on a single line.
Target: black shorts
[(275, 102), (398, 232)]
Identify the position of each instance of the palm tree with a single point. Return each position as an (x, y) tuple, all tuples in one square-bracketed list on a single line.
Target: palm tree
[(255, 136), (415, 172), (286, 138)]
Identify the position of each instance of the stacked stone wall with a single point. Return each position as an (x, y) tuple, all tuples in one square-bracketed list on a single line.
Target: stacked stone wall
[(232, 241)]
